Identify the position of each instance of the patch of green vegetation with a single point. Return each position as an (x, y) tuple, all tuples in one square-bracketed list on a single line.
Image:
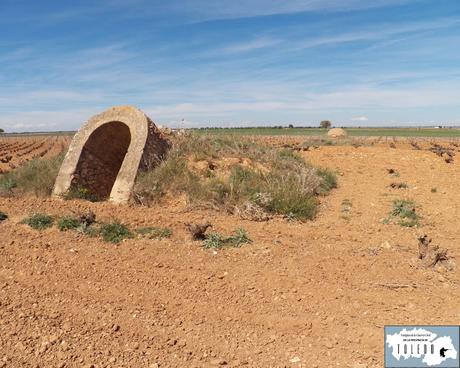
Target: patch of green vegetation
[(68, 223), (91, 231), (80, 193), (8, 183), (329, 180), (286, 183), (239, 237), (214, 240), (289, 154), (115, 232), (217, 241), (3, 216), (39, 221), (405, 212), (36, 176), (292, 204), (154, 232)]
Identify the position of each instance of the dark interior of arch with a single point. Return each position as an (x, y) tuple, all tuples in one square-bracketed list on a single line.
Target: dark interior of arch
[(100, 161)]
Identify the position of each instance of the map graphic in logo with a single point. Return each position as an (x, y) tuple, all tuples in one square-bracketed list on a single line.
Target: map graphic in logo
[(422, 346)]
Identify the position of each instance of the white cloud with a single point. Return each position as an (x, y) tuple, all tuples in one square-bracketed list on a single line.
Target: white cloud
[(208, 10), (224, 9), (360, 118), (246, 46), (45, 120), (380, 33), (356, 98)]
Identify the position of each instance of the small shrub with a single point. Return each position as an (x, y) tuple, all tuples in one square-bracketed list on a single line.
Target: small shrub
[(154, 232), (404, 210), (218, 241), (172, 174), (214, 241), (36, 176), (288, 154), (239, 238), (434, 190), (287, 184), (292, 204), (329, 180), (115, 232), (39, 221), (68, 223)]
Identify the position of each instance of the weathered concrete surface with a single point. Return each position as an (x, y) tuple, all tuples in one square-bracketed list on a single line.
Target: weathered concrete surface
[(106, 154)]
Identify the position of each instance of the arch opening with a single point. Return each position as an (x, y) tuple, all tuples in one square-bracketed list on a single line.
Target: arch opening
[(101, 159)]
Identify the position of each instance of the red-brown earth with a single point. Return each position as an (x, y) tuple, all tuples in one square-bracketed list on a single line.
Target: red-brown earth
[(314, 294)]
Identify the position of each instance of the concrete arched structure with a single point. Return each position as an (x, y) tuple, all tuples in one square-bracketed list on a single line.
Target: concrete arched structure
[(107, 152)]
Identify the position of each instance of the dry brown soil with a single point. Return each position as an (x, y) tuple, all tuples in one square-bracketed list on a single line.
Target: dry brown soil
[(313, 294), (16, 151)]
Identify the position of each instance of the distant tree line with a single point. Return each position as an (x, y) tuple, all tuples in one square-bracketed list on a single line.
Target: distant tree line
[(325, 124), (1, 131)]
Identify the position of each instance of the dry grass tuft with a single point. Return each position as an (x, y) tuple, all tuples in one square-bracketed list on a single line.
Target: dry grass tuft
[(234, 172), (36, 176)]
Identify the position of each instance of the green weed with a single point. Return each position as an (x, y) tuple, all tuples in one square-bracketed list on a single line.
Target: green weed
[(68, 223), (39, 221), (217, 241), (405, 211), (115, 232), (154, 232)]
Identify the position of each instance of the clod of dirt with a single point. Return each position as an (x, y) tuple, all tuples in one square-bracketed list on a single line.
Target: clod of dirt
[(198, 230), (431, 255), (398, 185), (392, 145), (393, 172), (3, 216), (88, 219), (6, 159)]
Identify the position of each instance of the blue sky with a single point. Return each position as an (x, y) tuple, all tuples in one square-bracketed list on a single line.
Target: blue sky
[(230, 63)]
